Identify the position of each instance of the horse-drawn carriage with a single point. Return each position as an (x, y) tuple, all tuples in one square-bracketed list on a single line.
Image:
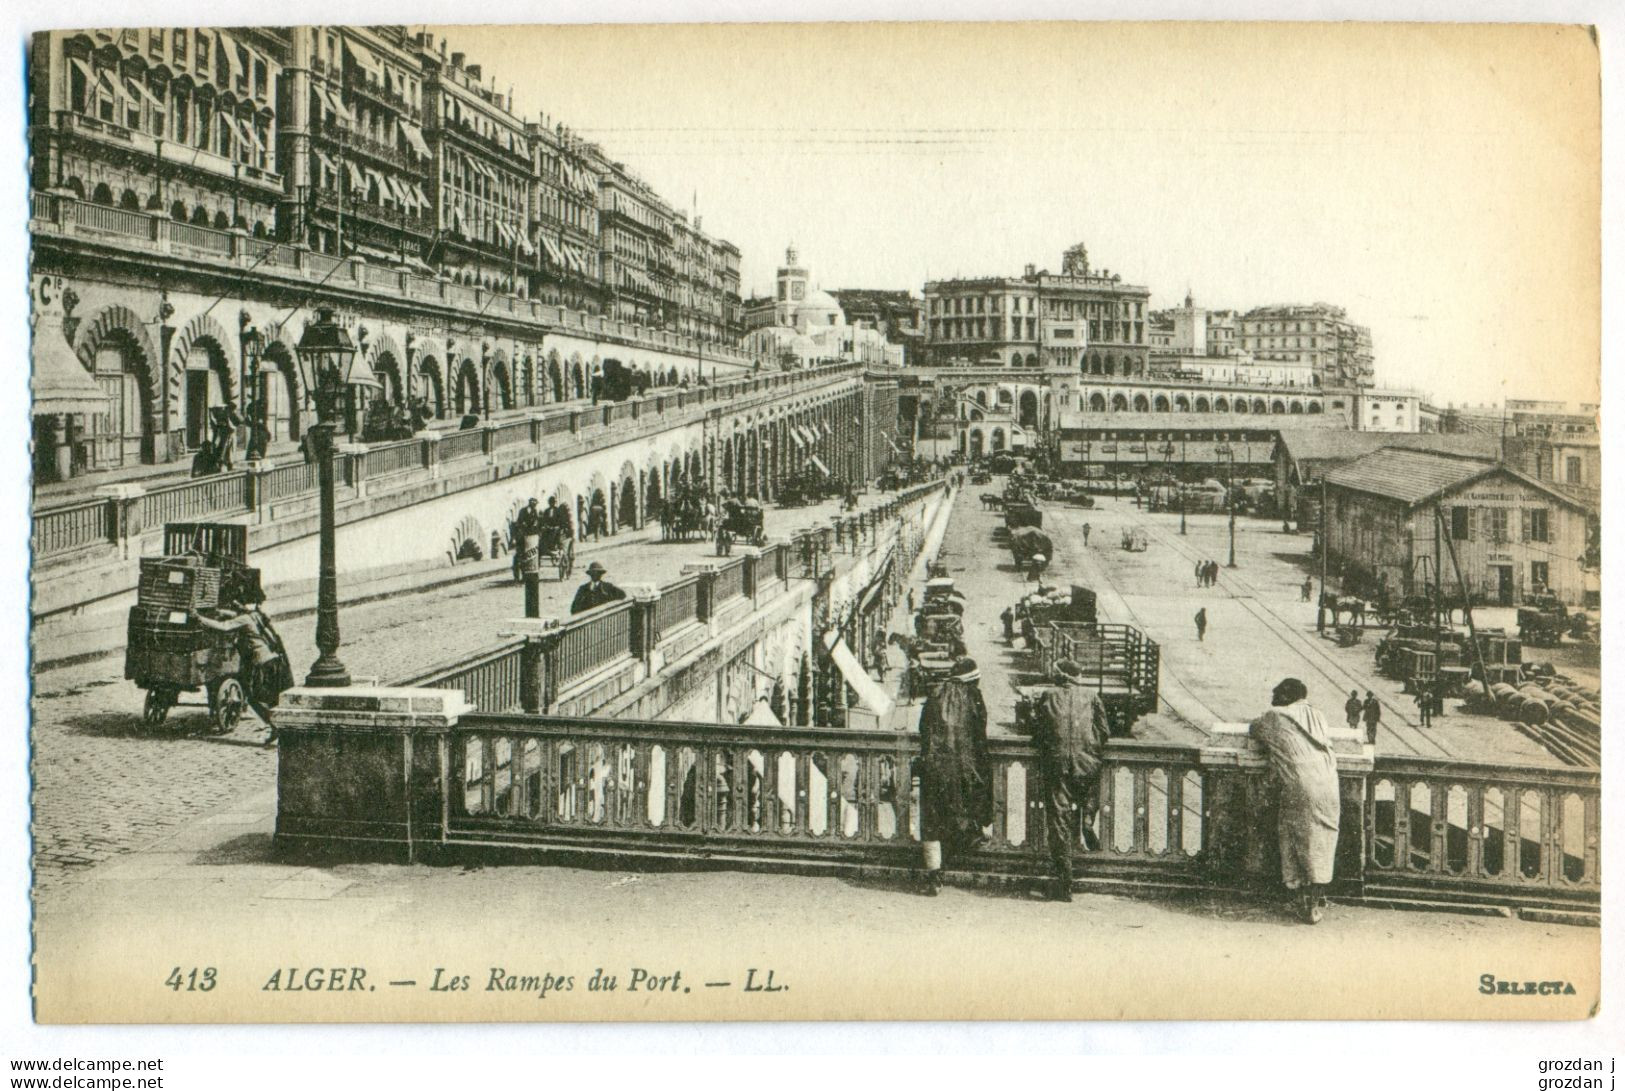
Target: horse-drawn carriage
[(1134, 540), (1028, 544), (742, 521), (167, 652), (686, 516)]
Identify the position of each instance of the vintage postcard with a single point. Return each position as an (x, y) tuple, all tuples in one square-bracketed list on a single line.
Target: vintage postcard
[(825, 521)]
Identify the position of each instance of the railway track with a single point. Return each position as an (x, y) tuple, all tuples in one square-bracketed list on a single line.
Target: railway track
[(1403, 729)]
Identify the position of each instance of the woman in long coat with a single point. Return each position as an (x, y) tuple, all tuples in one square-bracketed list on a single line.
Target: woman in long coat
[(1296, 737)]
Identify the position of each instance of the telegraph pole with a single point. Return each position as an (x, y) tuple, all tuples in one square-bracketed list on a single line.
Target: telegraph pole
[(1320, 607)]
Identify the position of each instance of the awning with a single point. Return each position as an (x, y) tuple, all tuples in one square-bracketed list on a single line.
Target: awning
[(458, 224), (141, 91), (816, 461), (327, 160), (60, 383), (401, 192), (365, 59), (414, 137), (357, 179), (795, 434), (84, 70), (228, 49), (551, 249), (524, 244), (870, 695), (506, 232), (423, 198), (762, 715), (339, 109), (245, 132)]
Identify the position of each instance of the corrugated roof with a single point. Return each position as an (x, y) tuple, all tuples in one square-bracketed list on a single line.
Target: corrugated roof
[(1311, 445), (1415, 476)]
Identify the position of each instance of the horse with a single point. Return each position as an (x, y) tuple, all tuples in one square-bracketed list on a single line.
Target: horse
[(992, 502)]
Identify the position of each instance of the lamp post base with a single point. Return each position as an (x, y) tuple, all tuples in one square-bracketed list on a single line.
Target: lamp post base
[(328, 673)]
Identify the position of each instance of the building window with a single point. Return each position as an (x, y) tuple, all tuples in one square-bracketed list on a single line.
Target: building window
[(1461, 524), (1498, 524), (1540, 574), (1538, 528), (1571, 470)]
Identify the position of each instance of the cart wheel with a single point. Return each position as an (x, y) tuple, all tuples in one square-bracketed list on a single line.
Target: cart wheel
[(226, 703), (156, 709)]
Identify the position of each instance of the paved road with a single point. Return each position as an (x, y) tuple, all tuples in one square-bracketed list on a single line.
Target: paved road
[(102, 786)]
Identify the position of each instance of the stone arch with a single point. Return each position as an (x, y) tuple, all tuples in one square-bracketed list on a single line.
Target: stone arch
[(502, 380), (117, 328), (1161, 403), (527, 378), (433, 386), (628, 509), (388, 373), (1202, 405), (1111, 364), (278, 355), (383, 351), (1119, 403), (1004, 396), (976, 443), (1277, 406), (996, 441), (981, 398), (203, 334), (1032, 359), (1094, 363), (1182, 404), (1097, 402), (1241, 405), (1015, 359), (102, 194), (466, 391), (1295, 407), (1314, 408), (1028, 411), (467, 541), (1221, 404), (1142, 404), (1259, 406), (578, 379), (555, 376)]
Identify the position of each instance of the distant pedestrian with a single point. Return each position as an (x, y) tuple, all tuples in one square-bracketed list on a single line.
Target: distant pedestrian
[(1371, 711), (1308, 587), (1201, 623), (1352, 709), (1086, 534), (911, 600), (1213, 573), (1424, 703), (1201, 572), (1009, 619)]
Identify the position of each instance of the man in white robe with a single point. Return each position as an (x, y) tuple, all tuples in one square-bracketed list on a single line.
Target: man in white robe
[(1296, 737)]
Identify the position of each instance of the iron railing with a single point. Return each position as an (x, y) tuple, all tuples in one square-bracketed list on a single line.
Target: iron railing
[(76, 526)]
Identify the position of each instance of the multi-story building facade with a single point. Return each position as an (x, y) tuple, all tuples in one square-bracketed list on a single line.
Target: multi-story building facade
[(355, 159), (1319, 334), (564, 218), (480, 180), (1080, 318), (175, 121), (1387, 411), (367, 155)]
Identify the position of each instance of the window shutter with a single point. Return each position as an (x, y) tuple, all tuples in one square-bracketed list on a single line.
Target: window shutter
[(1523, 524), (1472, 517)]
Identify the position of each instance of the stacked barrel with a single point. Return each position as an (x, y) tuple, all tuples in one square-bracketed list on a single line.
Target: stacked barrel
[(1556, 711)]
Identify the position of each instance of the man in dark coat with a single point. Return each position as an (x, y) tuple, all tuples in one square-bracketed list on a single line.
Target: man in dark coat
[(956, 781), (1070, 733), (596, 591)]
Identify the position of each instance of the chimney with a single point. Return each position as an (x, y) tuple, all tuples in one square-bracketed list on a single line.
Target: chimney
[(473, 71), (457, 61), (1031, 269)]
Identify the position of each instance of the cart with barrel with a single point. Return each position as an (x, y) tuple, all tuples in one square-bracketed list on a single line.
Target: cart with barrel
[(167, 653)]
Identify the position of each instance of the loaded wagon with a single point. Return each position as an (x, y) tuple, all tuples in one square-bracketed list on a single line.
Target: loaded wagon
[(166, 651), (1119, 663)]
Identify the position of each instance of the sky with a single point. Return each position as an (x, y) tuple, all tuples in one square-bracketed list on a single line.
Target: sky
[(1440, 182)]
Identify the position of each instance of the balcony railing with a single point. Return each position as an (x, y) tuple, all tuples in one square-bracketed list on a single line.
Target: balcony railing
[(64, 529), (63, 216)]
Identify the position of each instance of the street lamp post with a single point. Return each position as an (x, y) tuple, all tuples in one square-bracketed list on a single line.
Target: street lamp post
[(328, 364)]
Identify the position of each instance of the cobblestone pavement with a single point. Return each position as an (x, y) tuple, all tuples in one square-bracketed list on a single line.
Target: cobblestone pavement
[(103, 786)]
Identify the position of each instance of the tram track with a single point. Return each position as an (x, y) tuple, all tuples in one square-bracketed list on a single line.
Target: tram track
[(1397, 720)]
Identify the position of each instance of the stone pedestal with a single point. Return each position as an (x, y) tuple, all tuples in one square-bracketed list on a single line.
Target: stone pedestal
[(359, 769)]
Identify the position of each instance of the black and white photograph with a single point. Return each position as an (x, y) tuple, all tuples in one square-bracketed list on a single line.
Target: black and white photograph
[(816, 521)]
